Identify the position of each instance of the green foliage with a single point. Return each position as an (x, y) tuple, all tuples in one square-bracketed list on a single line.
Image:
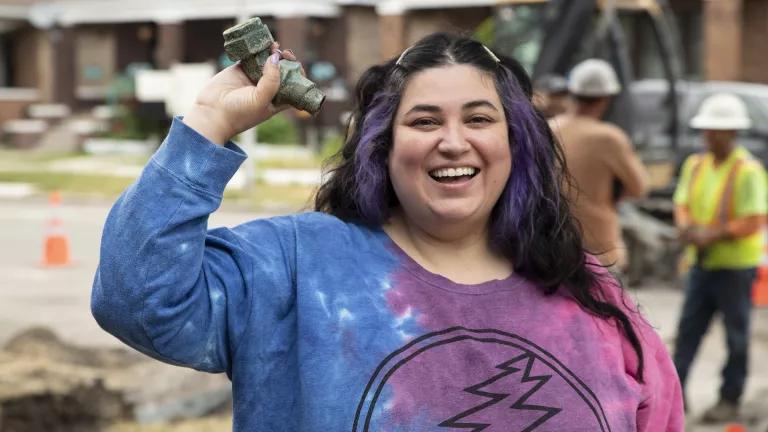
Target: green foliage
[(126, 126), (331, 145), (278, 130), (122, 88), (484, 32)]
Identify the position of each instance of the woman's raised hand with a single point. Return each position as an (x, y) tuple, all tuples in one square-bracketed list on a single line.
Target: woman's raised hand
[(230, 103)]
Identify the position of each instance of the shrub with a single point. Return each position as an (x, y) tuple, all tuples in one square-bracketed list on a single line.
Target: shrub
[(278, 130), (331, 145)]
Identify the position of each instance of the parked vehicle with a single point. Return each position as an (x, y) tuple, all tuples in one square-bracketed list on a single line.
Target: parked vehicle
[(652, 135), (664, 152)]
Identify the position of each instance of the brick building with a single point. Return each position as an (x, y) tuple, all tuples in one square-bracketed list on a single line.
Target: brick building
[(725, 39), (69, 51)]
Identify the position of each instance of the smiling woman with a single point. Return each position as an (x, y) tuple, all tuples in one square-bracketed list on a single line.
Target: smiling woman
[(441, 284), (449, 162)]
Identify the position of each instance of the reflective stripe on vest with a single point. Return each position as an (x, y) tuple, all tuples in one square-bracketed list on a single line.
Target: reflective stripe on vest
[(725, 210)]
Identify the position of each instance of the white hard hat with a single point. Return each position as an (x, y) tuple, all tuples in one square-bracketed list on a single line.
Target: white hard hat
[(722, 111), (593, 78)]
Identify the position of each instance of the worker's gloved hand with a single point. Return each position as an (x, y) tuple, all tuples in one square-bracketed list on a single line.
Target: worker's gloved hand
[(230, 104)]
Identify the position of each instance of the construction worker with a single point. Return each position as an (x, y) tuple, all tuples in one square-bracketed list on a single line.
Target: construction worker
[(551, 95), (720, 207), (599, 156)]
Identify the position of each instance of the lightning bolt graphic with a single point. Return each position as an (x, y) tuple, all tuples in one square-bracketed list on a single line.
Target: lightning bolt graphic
[(494, 398)]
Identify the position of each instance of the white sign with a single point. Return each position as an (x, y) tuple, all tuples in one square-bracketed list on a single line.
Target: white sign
[(186, 82), (177, 87), (152, 85)]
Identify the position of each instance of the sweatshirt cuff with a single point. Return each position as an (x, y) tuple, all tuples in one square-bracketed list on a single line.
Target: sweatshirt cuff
[(193, 158)]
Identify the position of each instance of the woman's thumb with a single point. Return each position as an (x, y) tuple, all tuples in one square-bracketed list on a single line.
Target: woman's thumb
[(267, 87)]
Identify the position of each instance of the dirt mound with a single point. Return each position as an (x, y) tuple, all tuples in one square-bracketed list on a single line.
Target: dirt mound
[(49, 385), (88, 407), (41, 342)]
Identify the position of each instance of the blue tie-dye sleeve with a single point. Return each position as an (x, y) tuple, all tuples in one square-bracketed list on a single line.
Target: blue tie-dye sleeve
[(167, 286)]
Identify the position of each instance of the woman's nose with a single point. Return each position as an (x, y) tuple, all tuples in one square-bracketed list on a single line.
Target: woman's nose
[(453, 141)]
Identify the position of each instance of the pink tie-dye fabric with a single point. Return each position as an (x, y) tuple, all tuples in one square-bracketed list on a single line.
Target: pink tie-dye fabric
[(501, 356)]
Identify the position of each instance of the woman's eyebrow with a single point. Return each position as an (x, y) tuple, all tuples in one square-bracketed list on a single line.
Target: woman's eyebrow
[(436, 109), (424, 108), (479, 103)]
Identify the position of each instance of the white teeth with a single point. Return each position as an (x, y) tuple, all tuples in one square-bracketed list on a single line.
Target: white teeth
[(453, 172)]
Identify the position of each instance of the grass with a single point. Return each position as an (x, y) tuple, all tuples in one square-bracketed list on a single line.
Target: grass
[(36, 169), (260, 197), (37, 161), (71, 183), (11, 156), (303, 163), (273, 197)]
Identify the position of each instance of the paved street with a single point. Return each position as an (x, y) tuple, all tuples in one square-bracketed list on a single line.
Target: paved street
[(661, 305), (31, 294), (59, 298)]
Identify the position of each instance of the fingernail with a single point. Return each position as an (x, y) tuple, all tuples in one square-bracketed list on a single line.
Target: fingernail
[(275, 58)]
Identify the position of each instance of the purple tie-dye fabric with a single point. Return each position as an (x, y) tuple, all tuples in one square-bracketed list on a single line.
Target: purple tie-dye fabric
[(500, 356)]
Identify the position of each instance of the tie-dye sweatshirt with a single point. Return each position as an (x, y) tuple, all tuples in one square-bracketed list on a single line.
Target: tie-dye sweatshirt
[(326, 325)]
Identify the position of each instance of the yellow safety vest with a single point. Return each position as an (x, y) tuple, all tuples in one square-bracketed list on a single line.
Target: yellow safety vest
[(732, 253), (725, 211)]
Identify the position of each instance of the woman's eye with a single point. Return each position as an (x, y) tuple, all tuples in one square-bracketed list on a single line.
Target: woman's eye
[(479, 119), (424, 122)]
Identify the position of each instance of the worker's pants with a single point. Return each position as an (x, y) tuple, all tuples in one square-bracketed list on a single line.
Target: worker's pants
[(707, 292)]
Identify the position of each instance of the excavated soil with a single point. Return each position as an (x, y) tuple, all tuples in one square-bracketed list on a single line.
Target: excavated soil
[(47, 385)]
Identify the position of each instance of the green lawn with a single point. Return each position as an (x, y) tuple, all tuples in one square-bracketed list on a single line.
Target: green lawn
[(36, 169), (69, 183), (273, 197)]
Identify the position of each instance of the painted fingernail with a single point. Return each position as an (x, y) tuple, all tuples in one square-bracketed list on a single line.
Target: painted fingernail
[(275, 58)]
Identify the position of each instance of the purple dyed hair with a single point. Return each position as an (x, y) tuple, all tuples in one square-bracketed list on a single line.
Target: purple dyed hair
[(371, 172), (533, 165)]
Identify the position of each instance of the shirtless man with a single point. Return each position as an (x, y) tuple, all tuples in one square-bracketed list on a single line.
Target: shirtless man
[(600, 159)]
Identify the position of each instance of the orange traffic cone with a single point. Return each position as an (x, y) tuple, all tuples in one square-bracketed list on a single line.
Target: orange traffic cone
[(56, 249), (735, 427), (760, 286)]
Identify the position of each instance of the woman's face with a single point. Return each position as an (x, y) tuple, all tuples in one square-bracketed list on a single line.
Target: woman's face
[(450, 158)]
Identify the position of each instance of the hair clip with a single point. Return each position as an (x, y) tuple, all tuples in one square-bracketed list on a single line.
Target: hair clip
[(399, 59), (490, 53)]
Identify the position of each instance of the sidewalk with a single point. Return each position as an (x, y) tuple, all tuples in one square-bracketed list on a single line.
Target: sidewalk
[(662, 307)]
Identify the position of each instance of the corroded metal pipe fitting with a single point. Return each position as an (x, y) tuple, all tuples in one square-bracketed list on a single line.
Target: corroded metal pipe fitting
[(249, 43)]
